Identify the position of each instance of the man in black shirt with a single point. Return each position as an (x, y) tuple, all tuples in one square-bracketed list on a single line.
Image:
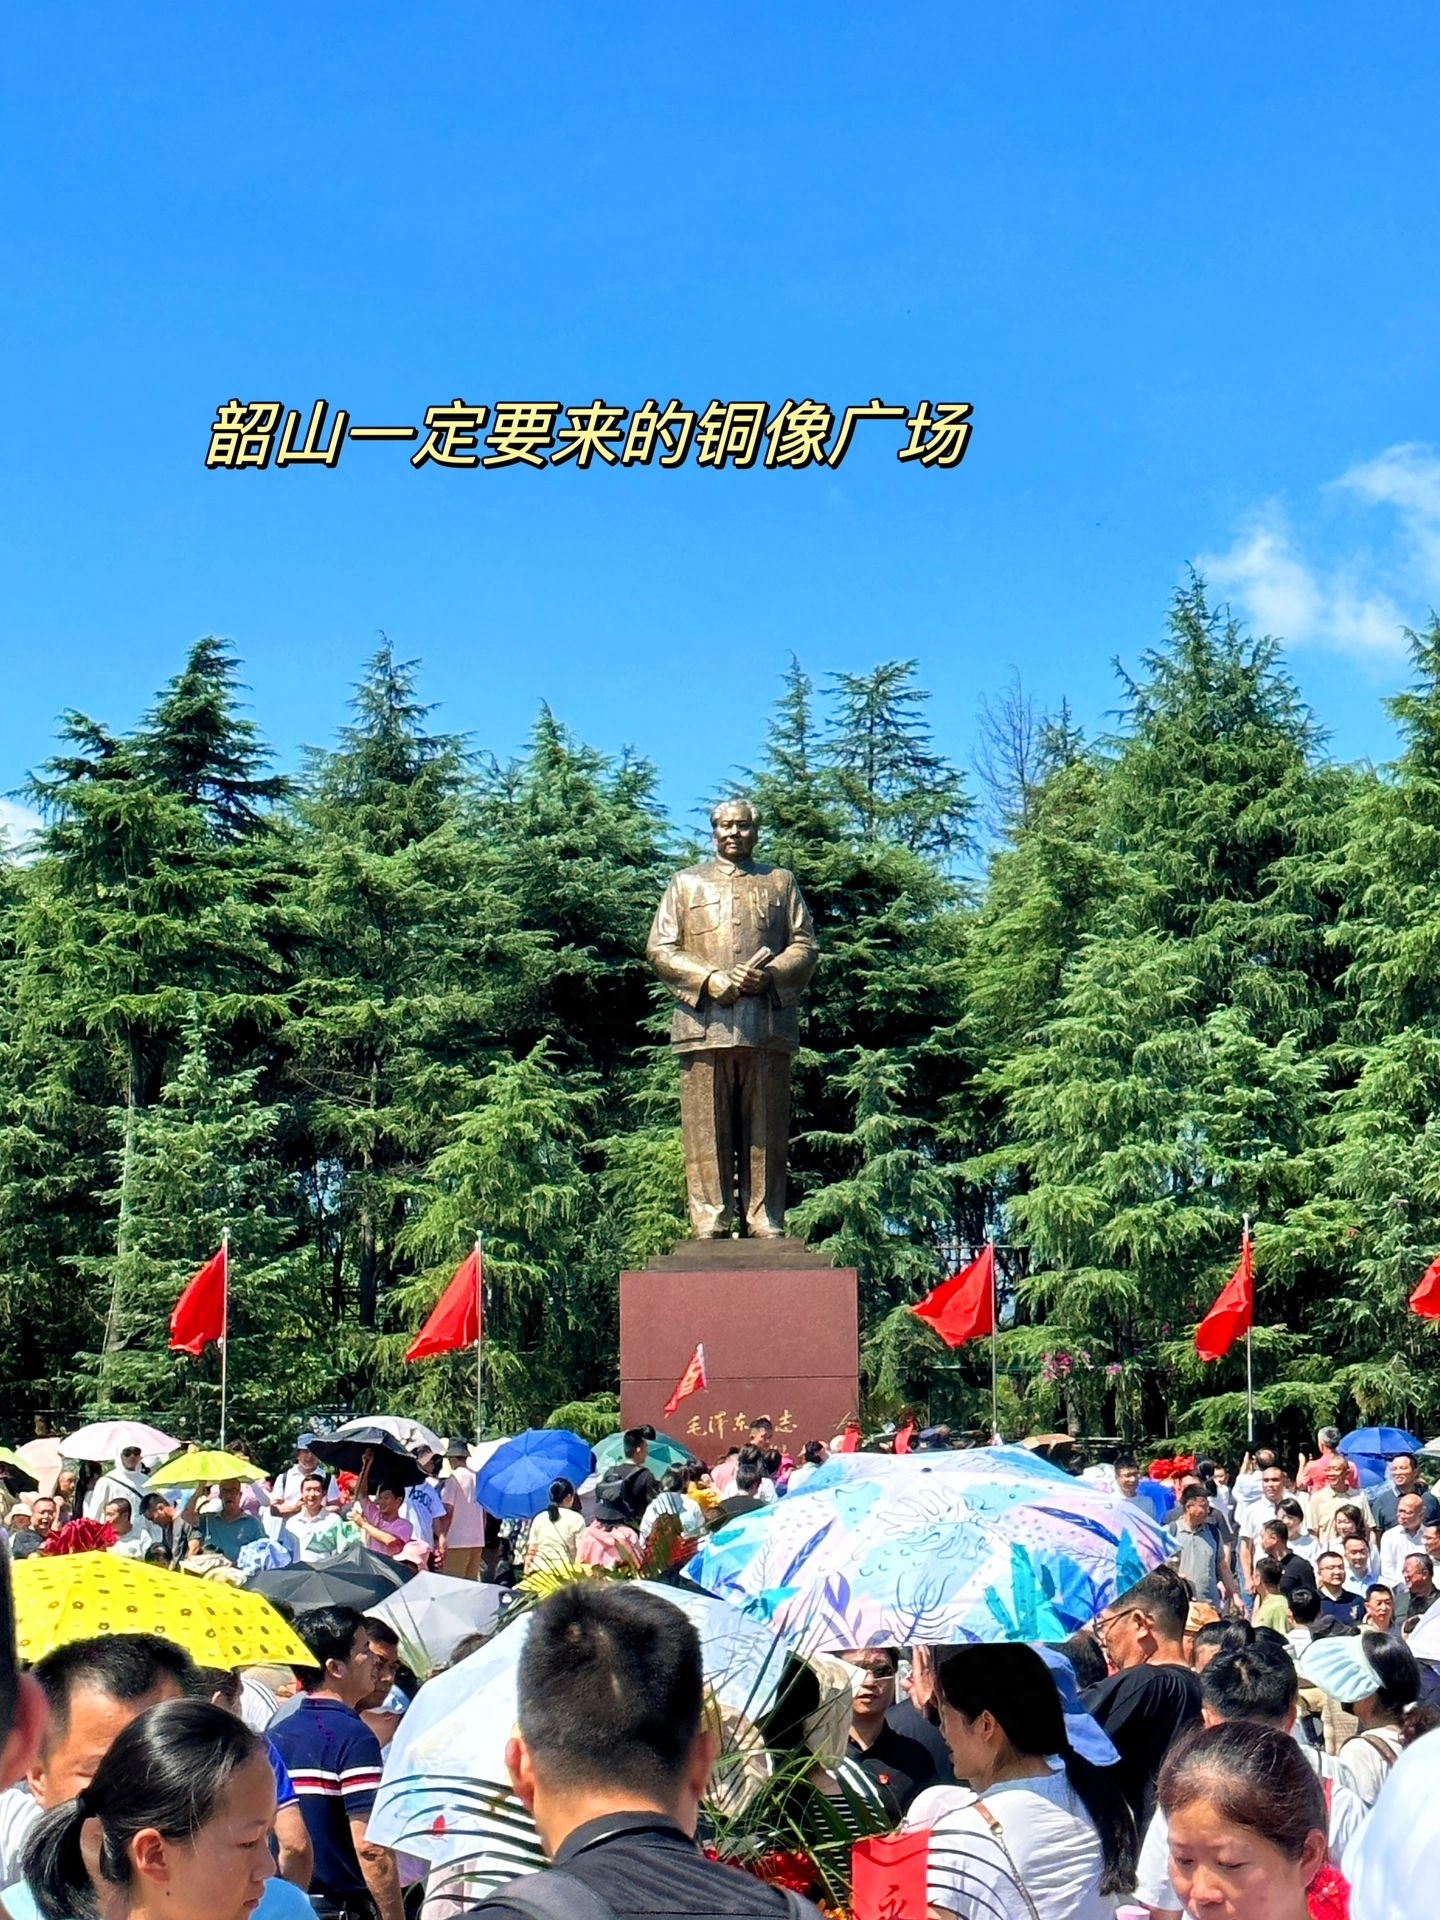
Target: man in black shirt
[(1295, 1569), (897, 1765), (611, 1758), (1152, 1697)]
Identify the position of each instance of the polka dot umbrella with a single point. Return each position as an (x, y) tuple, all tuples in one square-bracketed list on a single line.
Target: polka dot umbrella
[(79, 1596)]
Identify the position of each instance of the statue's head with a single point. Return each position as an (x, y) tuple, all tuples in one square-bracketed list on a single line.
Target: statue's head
[(736, 826)]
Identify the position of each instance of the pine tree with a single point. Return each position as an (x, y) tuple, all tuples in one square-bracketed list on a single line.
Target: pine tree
[(1179, 1080), (1388, 1134), (399, 973), (204, 1161)]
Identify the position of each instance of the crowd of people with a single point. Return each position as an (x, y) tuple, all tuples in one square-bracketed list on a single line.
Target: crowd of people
[(1214, 1743)]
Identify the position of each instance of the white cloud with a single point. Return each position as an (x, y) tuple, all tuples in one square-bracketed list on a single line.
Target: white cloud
[(1357, 599), (17, 823)]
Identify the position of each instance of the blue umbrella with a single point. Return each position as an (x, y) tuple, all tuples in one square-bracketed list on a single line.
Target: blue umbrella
[(515, 1481), (1381, 1442)]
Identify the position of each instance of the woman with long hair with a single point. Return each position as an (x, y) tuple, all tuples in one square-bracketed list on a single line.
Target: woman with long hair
[(176, 1822), (550, 1545), (1246, 1819), (1039, 1829)]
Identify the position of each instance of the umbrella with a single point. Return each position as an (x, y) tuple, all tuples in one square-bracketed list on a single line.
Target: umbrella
[(876, 1551), (15, 1473), (354, 1578), (485, 1450), (1381, 1442), (434, 1612), (107, 1439), (45, 1460), (515, 1481), (204, 1470), (443, 1795), (404, 1432), (392, 1466), (79, 1595), (664, 1453)]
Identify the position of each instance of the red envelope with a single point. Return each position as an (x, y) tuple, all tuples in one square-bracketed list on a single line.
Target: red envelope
[(888, 1877)]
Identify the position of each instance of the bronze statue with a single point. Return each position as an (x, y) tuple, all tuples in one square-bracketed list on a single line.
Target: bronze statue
[(733, 940)]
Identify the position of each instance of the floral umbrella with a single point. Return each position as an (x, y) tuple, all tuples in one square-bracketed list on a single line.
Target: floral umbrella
[(876, 1551)]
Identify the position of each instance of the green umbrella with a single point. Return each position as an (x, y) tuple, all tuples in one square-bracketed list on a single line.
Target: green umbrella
[(15, 1473), (664, 1453)]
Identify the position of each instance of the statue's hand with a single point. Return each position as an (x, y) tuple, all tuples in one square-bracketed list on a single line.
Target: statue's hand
[(749, 979), (722, 989)]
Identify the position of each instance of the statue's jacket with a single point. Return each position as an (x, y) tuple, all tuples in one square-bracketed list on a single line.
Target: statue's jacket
[(716, 916)]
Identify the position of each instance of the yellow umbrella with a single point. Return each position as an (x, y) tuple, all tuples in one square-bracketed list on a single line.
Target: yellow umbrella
[(76, 1596), (204, 1469)]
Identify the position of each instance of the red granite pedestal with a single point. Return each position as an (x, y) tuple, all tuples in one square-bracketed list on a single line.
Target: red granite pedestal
[(780, 1328)]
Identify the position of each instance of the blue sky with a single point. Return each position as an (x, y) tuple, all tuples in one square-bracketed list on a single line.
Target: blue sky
[(1182, 262)]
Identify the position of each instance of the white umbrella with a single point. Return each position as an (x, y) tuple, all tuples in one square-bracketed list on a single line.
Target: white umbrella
[(107, 1439), (45, 1461), (408, 1433), (434, 1612), (482, 1451), (444, 1795)]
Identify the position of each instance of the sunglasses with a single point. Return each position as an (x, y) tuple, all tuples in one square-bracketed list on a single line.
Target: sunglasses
[(877, 1669)]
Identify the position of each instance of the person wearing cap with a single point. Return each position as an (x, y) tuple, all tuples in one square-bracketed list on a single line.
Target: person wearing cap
[(465, 1526), (1375, 1679), (285, 1494), (424, 1508), (1255, 1684)]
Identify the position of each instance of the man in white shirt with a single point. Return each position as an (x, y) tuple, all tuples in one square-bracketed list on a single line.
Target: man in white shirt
[(316, 1531), (285, 1494), (1407, 1536), (1267, 1507), (132, 1541)]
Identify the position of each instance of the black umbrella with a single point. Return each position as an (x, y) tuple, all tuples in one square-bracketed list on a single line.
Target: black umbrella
[(354, 1578), (391, 1467)]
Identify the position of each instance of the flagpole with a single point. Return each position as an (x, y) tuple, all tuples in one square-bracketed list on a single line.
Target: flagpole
[(994, 1337), (225, 1333), (479, 1336), (1249, 1357)]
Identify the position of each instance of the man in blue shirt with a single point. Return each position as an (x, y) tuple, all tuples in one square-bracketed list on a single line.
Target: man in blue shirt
[(227, 1531), (334, 1761)]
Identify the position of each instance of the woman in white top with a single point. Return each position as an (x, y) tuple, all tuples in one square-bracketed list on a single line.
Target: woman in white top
[(1039, 1833), (553, 1533), (1394, 1678)]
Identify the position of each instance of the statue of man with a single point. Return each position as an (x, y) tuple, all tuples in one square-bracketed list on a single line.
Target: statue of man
[(734, 942)]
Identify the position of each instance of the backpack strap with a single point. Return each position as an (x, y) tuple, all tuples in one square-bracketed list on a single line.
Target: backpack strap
[(552, 1894)]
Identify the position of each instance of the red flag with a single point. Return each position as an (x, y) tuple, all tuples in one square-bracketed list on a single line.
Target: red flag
[(963, 1307), (199, 1315), (455, 1318), (1233, 1312), (1425, 1300), (690, 1381)]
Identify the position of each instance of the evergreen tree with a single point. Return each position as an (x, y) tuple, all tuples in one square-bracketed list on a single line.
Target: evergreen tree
[(1179, 1081), (396, 999)]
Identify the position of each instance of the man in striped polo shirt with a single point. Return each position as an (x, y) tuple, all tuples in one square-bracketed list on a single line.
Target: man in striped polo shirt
[(334, 1761)]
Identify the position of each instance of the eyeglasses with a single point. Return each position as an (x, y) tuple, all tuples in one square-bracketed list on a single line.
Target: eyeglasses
[(1107, 1621), (877, 1669)]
